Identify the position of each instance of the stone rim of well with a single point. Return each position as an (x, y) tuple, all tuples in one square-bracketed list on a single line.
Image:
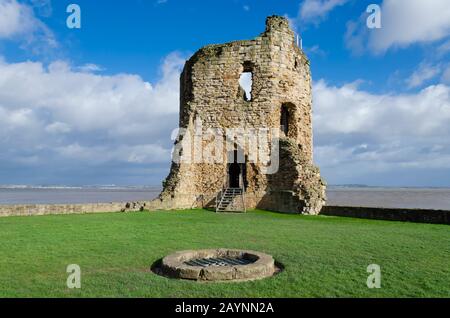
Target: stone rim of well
[(261, 266)]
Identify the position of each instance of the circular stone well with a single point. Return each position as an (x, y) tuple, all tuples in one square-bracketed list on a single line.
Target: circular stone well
[(218, 265)]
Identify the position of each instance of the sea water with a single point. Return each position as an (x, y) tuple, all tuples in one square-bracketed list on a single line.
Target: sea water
[(425, 198)]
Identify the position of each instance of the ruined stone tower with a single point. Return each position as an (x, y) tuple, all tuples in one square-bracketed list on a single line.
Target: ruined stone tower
[(211, 99)]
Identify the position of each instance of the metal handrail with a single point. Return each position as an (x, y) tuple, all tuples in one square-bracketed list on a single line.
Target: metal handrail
[(243, 199), (217, 200), (220, 194)]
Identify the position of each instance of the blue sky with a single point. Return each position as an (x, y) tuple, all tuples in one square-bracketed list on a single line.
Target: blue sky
[(97, 105), (136, 36)]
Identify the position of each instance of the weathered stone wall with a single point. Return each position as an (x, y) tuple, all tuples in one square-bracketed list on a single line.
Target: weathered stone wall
[(281, 201), (210, 92), (48, 209), (297, 186), (405, 215)]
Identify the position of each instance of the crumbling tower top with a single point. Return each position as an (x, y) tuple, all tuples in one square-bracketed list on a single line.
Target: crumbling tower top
[(277, 23)]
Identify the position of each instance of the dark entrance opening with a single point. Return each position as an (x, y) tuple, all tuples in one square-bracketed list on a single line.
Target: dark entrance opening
[(234, 173), (284, 120), (237, 169)]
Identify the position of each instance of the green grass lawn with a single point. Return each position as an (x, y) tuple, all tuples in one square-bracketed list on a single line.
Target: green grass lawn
[(323, 256)]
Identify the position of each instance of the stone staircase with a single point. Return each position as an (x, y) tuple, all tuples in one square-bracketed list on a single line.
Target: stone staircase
[(231, 200)]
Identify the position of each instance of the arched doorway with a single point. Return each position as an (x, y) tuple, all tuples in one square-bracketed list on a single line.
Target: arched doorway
[(284, 119)]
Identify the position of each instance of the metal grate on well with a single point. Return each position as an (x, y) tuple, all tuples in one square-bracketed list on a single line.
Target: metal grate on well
[(219, 261)]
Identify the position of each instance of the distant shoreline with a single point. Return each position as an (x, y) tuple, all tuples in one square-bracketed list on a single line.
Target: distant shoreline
[(359, 186), (155, 187), (380, 197), (105, 187)]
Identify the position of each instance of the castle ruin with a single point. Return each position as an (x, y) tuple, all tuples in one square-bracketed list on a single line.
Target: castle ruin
[(212, 99)]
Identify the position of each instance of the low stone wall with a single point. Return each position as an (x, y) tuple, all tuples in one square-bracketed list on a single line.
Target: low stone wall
[(47, 209), (405, 215)]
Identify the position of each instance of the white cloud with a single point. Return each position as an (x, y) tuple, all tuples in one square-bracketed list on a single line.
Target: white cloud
[(410, 21), (58, 128), (65, 115), (404, 22), (18, 22), (347, 109), (60, 116), (43, 7), (315, 50), (14, 18), (444, 48), (359, 135), (446, 75), (135, 154), (316, 10), (356, 36), (425, 72), (90, 68)]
